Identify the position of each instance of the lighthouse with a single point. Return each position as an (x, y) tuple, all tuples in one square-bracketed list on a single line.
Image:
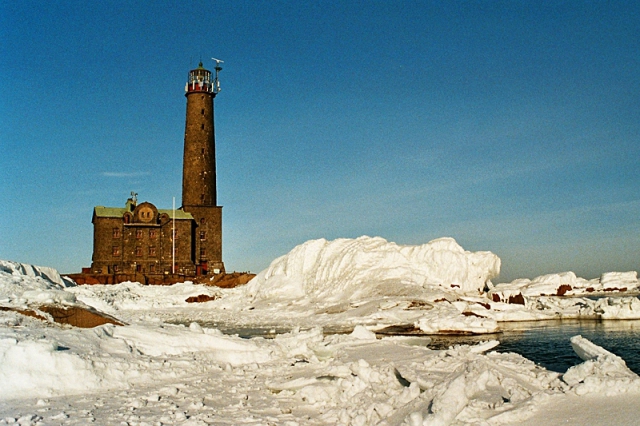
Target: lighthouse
[(199, 194), (140, 242)]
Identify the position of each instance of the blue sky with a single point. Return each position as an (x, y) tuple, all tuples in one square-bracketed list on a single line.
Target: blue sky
[(511, 126)]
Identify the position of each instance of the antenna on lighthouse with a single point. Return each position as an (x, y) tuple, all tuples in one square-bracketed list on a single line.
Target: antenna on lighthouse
[(216, 83)]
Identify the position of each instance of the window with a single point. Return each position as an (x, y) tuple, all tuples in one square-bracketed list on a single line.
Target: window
[(202, 221), (202, 111), (152, 268), (203, 252), (115, 251), (203, 235), (138, 268), (152, 234), (127, 218), (138, 251), (152, 251), (116, 232), (116, 268), (202, 127), (139, 234)]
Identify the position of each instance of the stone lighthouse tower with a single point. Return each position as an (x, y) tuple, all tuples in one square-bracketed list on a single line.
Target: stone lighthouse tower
[(199, 170)]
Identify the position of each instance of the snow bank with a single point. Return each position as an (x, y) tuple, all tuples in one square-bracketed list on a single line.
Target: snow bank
[(51, 361), (550, 308), (367, 281), (345, 269), (566, 283), (447, 317), (45, 272), (625, 308), (22, 284), (612, 281), (169, 340), (178, 373), (196, 375), (137, 297)]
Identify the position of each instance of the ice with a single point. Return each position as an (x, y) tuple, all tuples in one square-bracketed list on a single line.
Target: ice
[(620, 280), (601, 372), (433, 288), (48, 274), (135, 296), (345, 269), (152, 372), (172, 340), (360, 332), (21, 284), (567, 283)]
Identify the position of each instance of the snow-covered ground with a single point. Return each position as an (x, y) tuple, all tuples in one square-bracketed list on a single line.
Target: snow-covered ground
[(154, 371)]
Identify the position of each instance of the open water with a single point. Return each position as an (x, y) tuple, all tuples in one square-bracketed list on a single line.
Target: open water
[(547, 342)]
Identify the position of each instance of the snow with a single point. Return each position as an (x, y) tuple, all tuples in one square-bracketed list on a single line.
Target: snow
[(551, 284), (189, 372), (344, 269), (49, 275), (22, 284), (615, 280), (431, 288), (602, 372)]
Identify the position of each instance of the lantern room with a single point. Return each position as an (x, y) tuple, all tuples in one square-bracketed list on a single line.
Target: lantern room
[(200, 81)]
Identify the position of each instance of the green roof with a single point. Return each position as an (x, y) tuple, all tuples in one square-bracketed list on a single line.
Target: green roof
[(102, 211), (180, 214)]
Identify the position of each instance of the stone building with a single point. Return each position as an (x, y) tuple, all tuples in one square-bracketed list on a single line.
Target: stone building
[(142, 239)]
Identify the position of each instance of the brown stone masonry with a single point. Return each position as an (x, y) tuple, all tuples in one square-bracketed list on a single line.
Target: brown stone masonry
[(137, 242)]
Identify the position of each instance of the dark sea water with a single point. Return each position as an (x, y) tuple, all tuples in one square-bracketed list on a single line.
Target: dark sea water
[(547, 342)]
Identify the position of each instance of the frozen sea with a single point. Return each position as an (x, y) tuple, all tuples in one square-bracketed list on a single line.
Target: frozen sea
[(151, 371), (544, 342)]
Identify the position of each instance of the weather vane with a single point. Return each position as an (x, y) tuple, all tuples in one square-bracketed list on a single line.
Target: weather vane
[(218, 68)]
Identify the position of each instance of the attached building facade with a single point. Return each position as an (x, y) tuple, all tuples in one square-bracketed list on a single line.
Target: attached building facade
[(139, 239)]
